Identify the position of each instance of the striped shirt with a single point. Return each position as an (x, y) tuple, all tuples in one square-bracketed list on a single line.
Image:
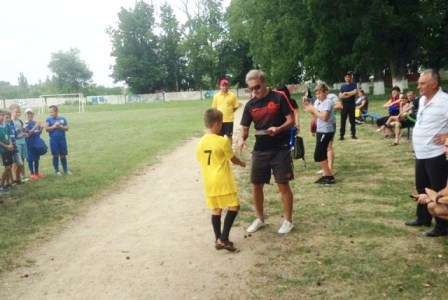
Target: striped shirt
[(432, 119)]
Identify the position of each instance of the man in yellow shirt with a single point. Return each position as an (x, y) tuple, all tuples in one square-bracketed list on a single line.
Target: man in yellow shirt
[(226, 102)]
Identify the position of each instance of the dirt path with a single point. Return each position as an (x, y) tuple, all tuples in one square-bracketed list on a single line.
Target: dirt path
[(151, 240)]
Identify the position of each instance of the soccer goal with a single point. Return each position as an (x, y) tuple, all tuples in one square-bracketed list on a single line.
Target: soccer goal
[(57, 99)]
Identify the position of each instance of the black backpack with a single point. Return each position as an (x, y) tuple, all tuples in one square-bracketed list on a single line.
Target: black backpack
[(298, 152)]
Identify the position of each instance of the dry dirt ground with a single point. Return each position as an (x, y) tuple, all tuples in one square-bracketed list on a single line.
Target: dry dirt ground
[(151, 239)]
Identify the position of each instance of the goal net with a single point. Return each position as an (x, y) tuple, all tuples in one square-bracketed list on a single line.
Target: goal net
[(58, 99)]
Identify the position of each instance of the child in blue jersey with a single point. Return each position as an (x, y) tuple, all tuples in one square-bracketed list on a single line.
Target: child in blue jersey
[(12, 137), (33, 129), (6, 148), (56, 127), (20, 144)]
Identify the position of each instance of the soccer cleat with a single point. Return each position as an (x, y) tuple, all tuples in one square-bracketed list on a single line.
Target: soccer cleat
[(68, 173), (34, 176), (286, 227), (255, 226), (320, 180), (58, 173), (225, 245)]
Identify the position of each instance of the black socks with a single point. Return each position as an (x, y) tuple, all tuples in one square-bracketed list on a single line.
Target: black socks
[(228, 222)]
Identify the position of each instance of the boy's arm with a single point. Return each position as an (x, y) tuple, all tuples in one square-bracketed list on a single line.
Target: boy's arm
[(235, 160)]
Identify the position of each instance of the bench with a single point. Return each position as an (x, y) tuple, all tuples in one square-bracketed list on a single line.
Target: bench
[(373, 116)]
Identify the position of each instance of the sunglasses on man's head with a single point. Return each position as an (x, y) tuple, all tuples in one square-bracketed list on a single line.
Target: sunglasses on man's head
[(255, 88)]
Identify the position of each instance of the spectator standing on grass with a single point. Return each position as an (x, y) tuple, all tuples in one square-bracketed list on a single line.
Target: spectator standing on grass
[(6, 150), (347, 95), (20, 143), (214, 154), (227, 103), (273, 118), (12, 136), (34, 130), (437, 201), (296, 128), (323, 111), (428, 138), (56, 127)]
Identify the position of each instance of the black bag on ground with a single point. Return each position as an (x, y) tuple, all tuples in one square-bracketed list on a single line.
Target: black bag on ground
[(299, 149)]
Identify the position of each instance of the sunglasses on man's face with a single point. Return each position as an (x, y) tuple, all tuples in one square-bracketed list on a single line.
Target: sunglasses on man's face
[(255, 88)]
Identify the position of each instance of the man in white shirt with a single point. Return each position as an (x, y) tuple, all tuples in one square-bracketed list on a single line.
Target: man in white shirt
[(429, 134)]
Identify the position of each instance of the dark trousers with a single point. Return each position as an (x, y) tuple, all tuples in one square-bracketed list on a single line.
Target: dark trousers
[(348, 110), (430, 173)]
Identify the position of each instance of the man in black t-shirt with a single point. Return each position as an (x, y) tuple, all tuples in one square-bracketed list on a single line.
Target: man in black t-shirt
[(273, 117)]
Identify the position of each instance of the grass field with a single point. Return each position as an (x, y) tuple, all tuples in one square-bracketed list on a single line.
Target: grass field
[(349, 241), (106, 144)]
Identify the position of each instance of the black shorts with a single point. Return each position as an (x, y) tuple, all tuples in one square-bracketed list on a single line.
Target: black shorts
[(322, 141), (226, 129), (407, 123), (277, 162), (7, 158)]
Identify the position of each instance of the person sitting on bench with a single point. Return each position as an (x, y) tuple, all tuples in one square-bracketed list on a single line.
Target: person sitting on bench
[(393, 105), (407, 118), (362, 106)]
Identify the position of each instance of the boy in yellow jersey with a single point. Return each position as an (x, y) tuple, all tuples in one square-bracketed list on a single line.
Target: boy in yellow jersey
[(214, 154)]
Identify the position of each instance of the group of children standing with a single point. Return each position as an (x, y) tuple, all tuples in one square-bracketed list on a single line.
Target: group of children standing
[(20, 141)]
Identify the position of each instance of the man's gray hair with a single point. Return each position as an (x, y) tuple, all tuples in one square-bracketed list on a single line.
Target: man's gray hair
[(433, 74), (255, 74)]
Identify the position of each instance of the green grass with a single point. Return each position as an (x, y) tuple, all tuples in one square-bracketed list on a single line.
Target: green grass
[(106, 144), (349, 239)]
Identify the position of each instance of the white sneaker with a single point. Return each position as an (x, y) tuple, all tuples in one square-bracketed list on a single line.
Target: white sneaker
[(286, 227), (320, 171), (255, 226)]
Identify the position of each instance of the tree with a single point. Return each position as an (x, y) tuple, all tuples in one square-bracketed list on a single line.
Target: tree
[(71, 74), (136, 49), (170, 41), (203, 43), (434, 45), (270, 28)]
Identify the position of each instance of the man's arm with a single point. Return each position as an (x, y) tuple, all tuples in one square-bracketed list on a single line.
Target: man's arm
[(289, 122), (244, 133)]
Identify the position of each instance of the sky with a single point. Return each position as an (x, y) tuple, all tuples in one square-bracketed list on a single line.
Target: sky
[(31, 30)]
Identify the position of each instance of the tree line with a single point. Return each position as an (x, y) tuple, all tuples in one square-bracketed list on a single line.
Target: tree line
[(291, 40)]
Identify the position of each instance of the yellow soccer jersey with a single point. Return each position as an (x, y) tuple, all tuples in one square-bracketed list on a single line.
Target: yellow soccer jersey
[(213, 154), (226, 103)]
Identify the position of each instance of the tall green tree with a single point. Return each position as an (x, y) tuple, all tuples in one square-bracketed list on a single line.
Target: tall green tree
[(203, 43), (170, 41), (270, 28), (433, 49), (70, 72), (136, 49)]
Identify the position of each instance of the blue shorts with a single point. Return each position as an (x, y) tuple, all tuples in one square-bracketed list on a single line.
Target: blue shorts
[(58, 147)]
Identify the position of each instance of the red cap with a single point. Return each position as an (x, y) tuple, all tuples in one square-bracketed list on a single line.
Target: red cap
[(223, 82)]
